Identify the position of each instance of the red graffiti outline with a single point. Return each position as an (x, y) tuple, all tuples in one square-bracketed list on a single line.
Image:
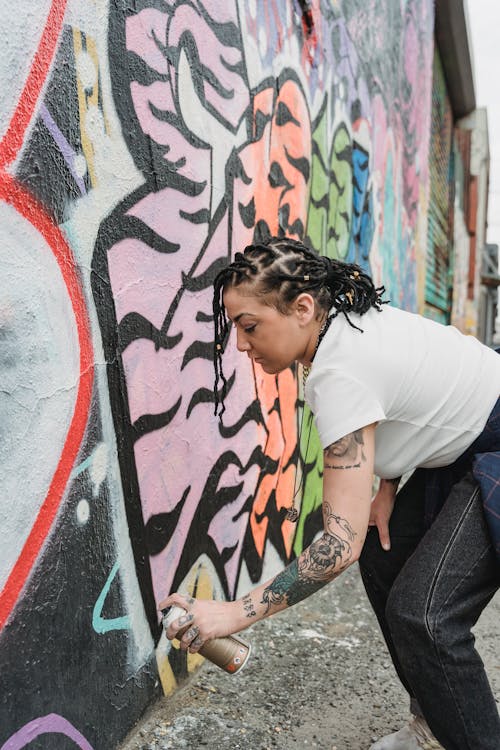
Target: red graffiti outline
[(28, 207), (14, 136), (32, 211)]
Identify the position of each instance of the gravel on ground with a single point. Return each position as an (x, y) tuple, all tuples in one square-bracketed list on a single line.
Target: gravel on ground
[(319, 676)]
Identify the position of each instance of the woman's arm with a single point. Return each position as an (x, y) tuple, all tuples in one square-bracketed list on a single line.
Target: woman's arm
[(347, 486)]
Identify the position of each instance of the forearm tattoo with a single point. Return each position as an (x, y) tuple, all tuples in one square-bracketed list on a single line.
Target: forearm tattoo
[(320, 563), (346, 453), (248, 606)]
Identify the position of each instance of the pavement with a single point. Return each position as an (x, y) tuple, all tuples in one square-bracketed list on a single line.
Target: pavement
[(319, 676)]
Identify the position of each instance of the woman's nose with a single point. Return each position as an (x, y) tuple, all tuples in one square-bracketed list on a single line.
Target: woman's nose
[(241, 341)]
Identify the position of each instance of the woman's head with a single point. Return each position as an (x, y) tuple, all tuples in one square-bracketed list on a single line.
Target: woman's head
[(272, 338), (298, 287)]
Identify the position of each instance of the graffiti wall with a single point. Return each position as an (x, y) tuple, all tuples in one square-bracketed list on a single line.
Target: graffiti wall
[(142, 144)]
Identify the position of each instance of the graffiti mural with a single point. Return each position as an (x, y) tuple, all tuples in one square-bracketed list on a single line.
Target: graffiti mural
[(60, 502), (142, 145)]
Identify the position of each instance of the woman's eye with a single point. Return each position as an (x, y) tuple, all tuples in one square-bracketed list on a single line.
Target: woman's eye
[(249, 329)]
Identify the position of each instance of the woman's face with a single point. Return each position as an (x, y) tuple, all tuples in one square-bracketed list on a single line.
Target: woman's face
[(269, 337)]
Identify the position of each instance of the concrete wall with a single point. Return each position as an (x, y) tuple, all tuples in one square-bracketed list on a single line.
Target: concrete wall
[(141, 144)]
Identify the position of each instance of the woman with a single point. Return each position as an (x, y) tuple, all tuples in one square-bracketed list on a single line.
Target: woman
[(392, 392)]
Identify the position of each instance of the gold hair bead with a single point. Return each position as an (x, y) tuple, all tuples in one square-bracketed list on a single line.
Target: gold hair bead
[(350, 296), (306, 278), (218, 347)]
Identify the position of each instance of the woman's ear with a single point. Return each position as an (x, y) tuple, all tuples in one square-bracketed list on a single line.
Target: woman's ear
[(305, 308)]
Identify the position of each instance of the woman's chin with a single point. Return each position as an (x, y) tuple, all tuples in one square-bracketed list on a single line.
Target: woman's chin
[(271, 369)]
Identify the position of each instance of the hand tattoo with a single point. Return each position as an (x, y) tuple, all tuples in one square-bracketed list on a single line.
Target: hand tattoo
[(185, 619), (349, 448), (192, 633)]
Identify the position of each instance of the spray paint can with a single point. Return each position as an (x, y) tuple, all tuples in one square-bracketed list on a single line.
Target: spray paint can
[(230, 652)]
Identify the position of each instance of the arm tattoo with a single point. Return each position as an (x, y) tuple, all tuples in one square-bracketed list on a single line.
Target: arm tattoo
[(325, 558), (349, 449), (289, 587), (320, 563), (248, 606), (330, 519)]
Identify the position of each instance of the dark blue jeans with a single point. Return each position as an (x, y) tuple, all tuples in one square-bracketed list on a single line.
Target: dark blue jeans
[(427, 593)]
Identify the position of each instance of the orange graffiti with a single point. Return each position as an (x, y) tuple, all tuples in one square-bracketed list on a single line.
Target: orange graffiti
[(274, 183)]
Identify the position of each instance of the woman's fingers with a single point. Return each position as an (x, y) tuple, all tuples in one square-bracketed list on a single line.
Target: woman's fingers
[(196, 645), (383, 532), (211, 618), (177, 606), (191, 640), (176, 599)]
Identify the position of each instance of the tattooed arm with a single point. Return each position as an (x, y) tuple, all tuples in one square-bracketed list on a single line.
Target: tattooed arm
[(347, 485), (347, 481)]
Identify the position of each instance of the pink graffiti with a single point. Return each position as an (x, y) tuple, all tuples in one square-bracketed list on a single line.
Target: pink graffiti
[(50, 724), (147, 282)]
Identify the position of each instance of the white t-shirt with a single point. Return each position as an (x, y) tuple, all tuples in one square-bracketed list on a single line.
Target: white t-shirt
[(429, 387)]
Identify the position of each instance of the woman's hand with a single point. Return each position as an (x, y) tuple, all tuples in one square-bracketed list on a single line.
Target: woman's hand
[(203, 620), (381, 510)]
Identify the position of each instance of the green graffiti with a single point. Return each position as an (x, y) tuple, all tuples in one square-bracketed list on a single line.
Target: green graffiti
[(328, 231), (331, 197), (317, 218), (340, 193), (311, 461)]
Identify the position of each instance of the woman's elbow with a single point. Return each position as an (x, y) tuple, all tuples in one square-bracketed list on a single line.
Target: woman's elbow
[(356, 554), (339, 565), (353, 556)]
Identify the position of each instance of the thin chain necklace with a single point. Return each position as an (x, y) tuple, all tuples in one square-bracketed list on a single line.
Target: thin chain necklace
[(292, 513)]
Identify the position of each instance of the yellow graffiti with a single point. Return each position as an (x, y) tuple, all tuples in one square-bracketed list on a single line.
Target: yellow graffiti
[(199, 583), (88, 98)]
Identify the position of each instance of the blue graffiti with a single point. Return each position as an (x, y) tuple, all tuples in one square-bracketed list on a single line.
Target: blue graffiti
[(362, 224), (101, 624)]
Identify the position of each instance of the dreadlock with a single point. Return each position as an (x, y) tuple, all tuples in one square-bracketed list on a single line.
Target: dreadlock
[(280, 269)]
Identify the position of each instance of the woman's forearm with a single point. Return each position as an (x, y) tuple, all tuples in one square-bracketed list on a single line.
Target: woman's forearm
[(318, 564), (390, 485)]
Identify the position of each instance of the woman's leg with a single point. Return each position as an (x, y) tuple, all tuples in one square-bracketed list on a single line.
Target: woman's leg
[(431, 608), (379, 569)]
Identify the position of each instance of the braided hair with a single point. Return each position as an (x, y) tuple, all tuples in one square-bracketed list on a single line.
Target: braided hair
[(280, 269)]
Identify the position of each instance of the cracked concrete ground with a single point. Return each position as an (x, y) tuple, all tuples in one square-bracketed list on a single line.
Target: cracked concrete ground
[(319, 676)]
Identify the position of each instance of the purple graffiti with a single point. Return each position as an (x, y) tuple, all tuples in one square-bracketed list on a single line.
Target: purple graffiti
[(50, 724), (64, 147)]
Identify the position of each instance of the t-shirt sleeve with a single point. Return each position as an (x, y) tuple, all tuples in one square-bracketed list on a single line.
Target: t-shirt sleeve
[(340, 404)]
